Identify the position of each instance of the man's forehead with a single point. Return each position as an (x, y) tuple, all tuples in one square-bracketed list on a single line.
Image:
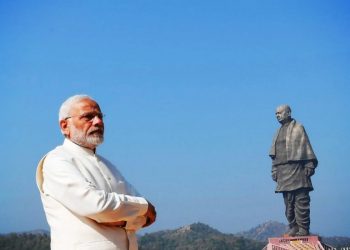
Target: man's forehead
[(86, 105)]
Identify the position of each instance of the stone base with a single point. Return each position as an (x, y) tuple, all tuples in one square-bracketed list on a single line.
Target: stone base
[(297, 243)]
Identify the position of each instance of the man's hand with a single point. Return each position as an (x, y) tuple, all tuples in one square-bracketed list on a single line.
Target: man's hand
[(150, 215), (114, 224)]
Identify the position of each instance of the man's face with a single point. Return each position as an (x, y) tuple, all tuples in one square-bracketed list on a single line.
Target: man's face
[(282, 114), (85, 125)]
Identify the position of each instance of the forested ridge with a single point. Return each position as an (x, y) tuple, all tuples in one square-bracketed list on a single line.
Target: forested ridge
[(197, 236), (24, 241)]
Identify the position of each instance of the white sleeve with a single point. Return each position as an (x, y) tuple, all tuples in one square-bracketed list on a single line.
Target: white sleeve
[(64, 182)]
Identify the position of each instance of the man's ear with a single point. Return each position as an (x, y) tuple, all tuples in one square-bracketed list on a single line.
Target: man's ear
[(65, 128)]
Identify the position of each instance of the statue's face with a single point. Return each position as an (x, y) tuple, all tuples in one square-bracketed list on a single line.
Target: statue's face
[(282, 114)]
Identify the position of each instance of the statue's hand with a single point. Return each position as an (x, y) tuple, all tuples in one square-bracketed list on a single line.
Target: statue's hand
[(274, 176), (309, 172)]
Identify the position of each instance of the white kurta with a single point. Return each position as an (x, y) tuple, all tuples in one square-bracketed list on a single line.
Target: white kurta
[(80, 191)]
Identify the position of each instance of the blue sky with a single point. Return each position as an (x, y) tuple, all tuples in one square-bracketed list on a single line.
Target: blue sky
[(189, 89)]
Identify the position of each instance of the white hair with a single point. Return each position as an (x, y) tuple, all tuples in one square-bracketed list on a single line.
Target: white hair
[(66, 106)]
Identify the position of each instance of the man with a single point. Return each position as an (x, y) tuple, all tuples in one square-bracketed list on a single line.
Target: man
[(293, 163), (87, 202)]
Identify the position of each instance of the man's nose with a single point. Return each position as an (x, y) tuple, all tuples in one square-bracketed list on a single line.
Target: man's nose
[(97, 120)]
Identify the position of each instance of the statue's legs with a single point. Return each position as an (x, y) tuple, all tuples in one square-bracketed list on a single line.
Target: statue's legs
[(297, 211), (302, 211), (289, 201)]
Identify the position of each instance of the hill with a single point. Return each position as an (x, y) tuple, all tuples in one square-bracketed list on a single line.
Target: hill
[(276, 229), (338, 242), (192, 237), (196, 236), (264, 231), (25, 241)]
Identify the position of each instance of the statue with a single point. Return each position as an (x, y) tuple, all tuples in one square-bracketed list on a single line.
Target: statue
[(293, 164)]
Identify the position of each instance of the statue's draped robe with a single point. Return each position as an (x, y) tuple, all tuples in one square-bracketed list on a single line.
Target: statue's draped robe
[(291, 152)]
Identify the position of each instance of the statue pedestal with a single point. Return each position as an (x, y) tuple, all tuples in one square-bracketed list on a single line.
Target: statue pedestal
[(297, 243)]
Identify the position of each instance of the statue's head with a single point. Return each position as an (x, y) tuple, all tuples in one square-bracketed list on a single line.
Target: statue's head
[(283, 113)]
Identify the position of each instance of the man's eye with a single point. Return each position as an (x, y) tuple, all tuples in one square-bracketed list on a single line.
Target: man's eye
[(88, 117), (91, 116)]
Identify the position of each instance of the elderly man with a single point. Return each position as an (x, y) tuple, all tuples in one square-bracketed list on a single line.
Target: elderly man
[(293, 163), (88, 203)]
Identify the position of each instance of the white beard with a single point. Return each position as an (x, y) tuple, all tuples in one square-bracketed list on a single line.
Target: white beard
[(80, 138)]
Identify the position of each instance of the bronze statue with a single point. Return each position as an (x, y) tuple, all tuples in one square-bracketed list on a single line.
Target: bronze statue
[(293, 163)]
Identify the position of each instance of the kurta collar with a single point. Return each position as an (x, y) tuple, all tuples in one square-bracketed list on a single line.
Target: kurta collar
[(77, 148)]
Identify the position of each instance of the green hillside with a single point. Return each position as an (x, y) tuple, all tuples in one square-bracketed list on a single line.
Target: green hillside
[(196, 236)]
